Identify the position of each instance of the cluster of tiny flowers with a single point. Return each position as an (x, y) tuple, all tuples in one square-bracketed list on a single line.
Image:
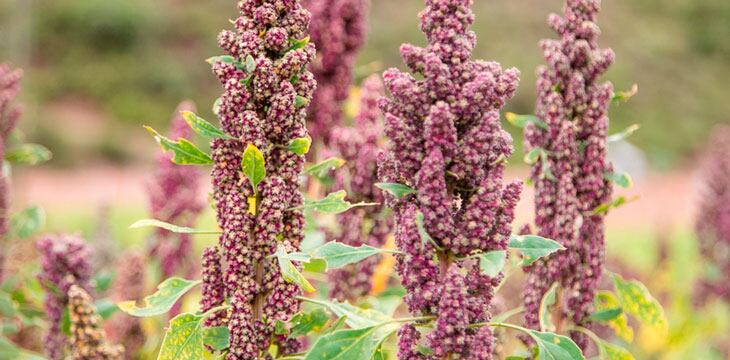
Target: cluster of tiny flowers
[(713, 220), (358, 146), (128, 285), (9, 115), (570, 181), (265, 88), (175, 198), (64, 263), (88, 341), (447, 144), (339, 28)]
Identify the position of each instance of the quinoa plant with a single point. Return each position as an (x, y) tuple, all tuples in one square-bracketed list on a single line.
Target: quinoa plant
[(358, 146), (88, 340), (712, 224), (175, 198), (339, 28), (65, 263)]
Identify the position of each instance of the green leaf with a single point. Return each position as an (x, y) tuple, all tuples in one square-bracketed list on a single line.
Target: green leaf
[(636, 300), (355, 317), (106, 308), (250, 64), (290, 272), (322, 169), (184, 152), (621, 179), (547, 301), (216, 337), (169, 227), (338, 255), (184, 339), (624, 134), (202, 127), (253, 165), (397, 190), (613, 352), (300, 102), (555, 347), (606, 315), (27, 222), (613, 204), (521, 121), (315, 265), (625, 96), (533, 156), (491, 263), (334, 203), (351, 344), (533, 247), (297, 44), (28, 154), (607, 301), (8, 307), (303, 324), (300, 146), (168, 293), (102, 281)]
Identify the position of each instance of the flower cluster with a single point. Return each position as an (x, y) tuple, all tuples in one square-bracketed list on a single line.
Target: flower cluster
[(339, 29), (358, 146), (175, 198), (447, 144), (128, 285), (713, 221), (88, 341), (9, 115), (570, 180), (64, 263), (266, 88)]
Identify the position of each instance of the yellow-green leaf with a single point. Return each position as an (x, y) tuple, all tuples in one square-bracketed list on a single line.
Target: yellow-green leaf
[(607, 301), (28, 154), (290, 272), (216, 337), (168, 293), (613, 352), (351, 344), (547, 301), (184, 339), (521, 121), (322, 169), (184, 152), (621, 179), (300, 146), (203, 127), (253, 165), (636, 300)]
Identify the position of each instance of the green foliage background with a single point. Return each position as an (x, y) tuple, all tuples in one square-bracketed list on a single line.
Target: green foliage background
[(133, 60)]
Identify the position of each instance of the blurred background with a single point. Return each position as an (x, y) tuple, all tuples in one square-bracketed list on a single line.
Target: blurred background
[(97, 70)]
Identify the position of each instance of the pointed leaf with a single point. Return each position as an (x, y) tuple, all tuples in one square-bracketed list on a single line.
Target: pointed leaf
[(521, 121), (253, 165), (303, 324), (202, 127), (613, 204), (334, 203), (606, 315), (351, 344), (398, 190), (491, 263), (636, 300), (533, 156), (168, 293), (169, 227), (300, 146), (533, 247), (355, 317), (621, 179), (300, 102), (322, 169), (184, 339), (27, 222), (548, 300), (556, 347), (338, 255), (184, 152), (28, 154), (607, 301), (290, 272), (250, 64)]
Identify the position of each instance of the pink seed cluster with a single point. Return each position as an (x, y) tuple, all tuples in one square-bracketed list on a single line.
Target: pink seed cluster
[(358, 146), (175, 198), (9, 115), (339, 28), (712, 225), (447, 143), (570, 182), (266, 88), (64, 263)]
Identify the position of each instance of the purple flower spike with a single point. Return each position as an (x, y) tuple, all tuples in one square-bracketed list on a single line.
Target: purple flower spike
[(64, 263), (358, 146), (447, 143), (339, 28), (713, 221), (573, 104), (261, 106)]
